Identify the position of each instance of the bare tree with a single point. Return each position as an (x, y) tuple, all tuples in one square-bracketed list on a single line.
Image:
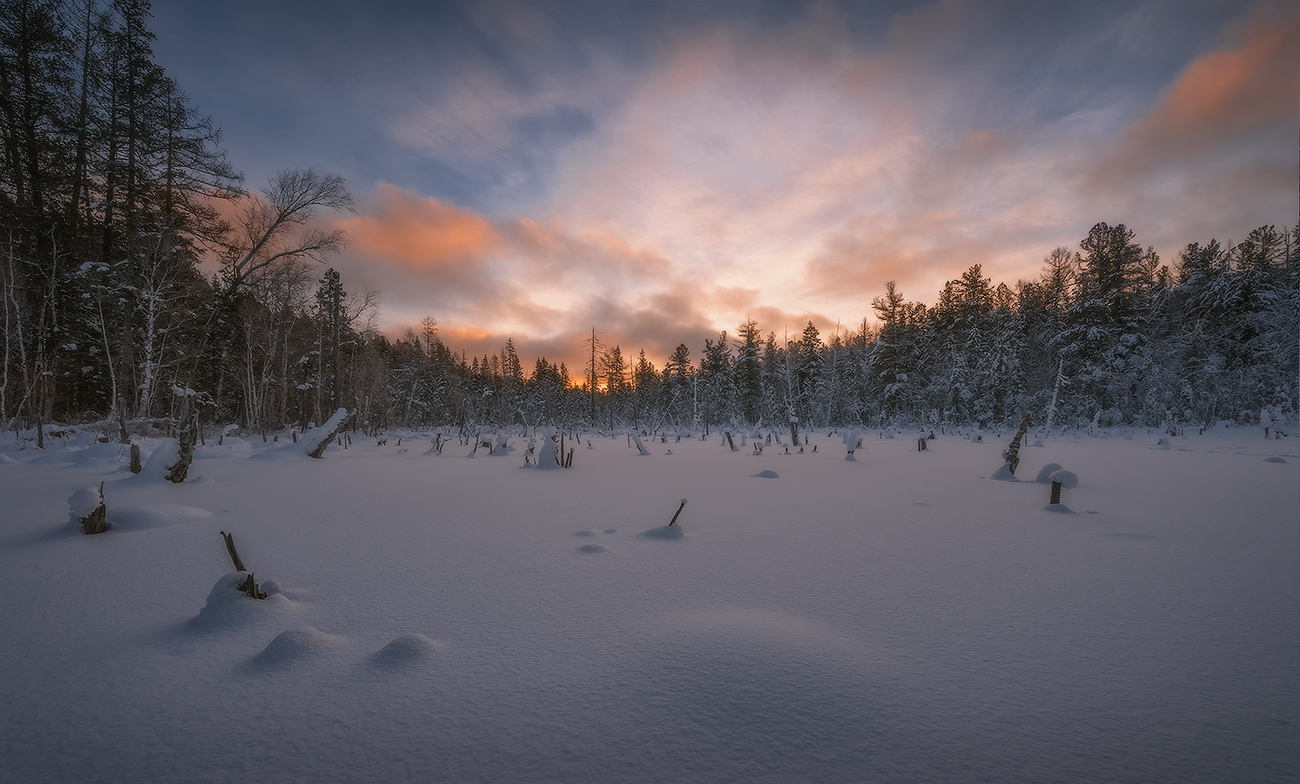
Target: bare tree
[(277, 226), (274, 228)]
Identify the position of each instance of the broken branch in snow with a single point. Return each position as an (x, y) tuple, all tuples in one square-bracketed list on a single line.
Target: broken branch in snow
[(234, 554), (678, 513), (249, 585)]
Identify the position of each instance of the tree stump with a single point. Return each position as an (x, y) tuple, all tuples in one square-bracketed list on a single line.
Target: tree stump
[(189, 424), (97, 521), (1062, 478), (249, 586), (135, 459)]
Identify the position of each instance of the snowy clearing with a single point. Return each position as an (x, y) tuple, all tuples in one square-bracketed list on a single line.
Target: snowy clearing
[(899, 617)]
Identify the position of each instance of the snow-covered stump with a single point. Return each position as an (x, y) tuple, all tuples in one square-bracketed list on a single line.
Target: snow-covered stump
[(852, 443), (641, 450), (1062, 478), (89, 509), (548, 454)]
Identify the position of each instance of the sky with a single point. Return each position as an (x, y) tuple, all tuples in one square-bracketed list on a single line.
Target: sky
[(665, 171)]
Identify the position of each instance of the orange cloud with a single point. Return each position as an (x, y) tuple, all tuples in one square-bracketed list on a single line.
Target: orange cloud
[(1226, 98), (421, 232), (1256, 83)]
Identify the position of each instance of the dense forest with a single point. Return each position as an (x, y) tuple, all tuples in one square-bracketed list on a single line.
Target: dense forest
[(113, 189)]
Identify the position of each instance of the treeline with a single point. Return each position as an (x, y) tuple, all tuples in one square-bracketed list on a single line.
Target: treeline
[(113, 187), (1105, 335)]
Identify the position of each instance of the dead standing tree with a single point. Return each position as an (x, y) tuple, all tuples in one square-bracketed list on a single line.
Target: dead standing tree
[(1012, 454), (271, 229)]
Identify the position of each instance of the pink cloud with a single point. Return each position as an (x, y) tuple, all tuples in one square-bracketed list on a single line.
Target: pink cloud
[(1221, 99), (421, 233)]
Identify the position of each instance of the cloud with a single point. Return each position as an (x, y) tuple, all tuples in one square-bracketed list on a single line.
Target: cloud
[(1223, 99), (421, 233), (785, 171), (1214, 156)]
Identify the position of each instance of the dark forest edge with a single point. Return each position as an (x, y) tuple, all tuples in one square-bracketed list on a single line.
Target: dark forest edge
[(113, 188)]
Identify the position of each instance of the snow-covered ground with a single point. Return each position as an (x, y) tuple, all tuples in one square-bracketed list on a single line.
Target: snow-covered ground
[(900, 618)]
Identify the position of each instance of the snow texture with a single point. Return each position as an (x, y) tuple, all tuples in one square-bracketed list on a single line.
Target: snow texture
[(893, 619)]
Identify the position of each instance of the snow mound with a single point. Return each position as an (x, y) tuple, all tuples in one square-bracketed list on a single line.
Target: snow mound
[(768, 474), (293, 647), (159, 463), (404, 651), (1275, 459), (228, 607), (593, 549), (1059, 509), (1004, 474), (584, 533), (60, 457), (1045, 474), (748, 675), (664, 532), (231, 446)]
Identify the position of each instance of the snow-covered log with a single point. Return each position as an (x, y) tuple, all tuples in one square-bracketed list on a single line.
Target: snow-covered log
[(314, 441)]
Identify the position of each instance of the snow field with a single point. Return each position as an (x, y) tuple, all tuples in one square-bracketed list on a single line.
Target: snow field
[(899, 618)]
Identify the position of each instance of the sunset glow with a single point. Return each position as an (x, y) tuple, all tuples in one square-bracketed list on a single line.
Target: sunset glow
[(665, 171)]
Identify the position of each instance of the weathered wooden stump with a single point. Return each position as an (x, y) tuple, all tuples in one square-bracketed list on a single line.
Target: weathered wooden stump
[(1059, 479), (135, 459)]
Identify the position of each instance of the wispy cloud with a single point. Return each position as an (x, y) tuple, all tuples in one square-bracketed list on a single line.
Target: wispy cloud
[(669, 177)]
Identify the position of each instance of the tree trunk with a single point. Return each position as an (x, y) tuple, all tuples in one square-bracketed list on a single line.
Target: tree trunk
[(176, 474)]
